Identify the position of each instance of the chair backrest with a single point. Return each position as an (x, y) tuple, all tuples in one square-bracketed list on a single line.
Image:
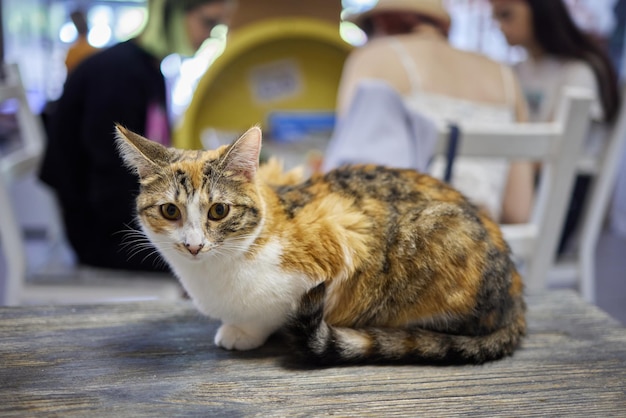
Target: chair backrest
[(557, 145), (14, 164), (27, 156)]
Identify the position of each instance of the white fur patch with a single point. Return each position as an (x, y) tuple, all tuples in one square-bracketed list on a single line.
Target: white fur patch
[(192, 231), (253, 295), (352, 343), (233, 337)]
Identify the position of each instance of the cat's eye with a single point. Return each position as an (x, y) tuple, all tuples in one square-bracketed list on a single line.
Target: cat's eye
[(170, 212), (218, 211)]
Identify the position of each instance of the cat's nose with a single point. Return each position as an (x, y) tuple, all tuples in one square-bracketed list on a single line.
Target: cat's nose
[(194, 249)]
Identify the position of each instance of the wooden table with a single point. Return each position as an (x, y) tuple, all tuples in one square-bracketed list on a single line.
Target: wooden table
[(158, 359)]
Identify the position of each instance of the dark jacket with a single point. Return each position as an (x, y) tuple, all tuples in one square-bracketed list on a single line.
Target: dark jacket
[(95, 190)]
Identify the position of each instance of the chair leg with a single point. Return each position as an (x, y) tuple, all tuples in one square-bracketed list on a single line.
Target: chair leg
[(597, 209), (587, 277), (12, 247)]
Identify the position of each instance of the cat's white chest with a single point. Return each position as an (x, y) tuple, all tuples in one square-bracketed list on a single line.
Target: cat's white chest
[(242, 290)]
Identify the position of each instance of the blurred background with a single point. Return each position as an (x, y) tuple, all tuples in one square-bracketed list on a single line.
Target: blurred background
[(36, 35)]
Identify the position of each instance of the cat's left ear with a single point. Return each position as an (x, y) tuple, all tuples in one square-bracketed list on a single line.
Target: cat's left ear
[(140, 153), (243, 155)]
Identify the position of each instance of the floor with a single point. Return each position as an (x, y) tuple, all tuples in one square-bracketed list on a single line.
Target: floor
[(610, 268)]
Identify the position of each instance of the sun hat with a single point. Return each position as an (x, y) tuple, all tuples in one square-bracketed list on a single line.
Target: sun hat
[(430, 8)]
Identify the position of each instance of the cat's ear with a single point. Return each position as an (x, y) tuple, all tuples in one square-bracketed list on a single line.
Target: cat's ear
[(139, 153), (243, 155)]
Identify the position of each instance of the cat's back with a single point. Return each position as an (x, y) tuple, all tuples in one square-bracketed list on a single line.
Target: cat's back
[(414, 206), (373, 189), (393, 205), (372, 181), (391, 185)]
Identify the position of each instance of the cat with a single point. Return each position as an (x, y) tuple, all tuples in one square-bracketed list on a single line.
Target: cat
[(361, 264)]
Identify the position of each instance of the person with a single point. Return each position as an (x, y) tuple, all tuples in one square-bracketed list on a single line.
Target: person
[(81, 48), (76, 53), (560, 55), (408, 48), (122, 84)]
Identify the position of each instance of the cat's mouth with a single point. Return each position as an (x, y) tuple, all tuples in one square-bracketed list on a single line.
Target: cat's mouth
[(190, 258), (196, 252)]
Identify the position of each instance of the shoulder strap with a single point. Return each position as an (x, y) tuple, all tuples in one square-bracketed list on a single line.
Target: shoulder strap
[(454, 136), (409, 66)]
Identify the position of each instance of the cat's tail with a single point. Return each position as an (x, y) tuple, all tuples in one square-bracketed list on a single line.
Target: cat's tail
[(320, 343)]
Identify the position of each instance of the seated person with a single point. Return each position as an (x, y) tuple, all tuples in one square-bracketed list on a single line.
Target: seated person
[(560, 55), (81, 48), (121, 84), (408, 49)]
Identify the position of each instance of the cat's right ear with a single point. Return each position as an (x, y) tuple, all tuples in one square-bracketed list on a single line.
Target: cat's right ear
[(139, 153)]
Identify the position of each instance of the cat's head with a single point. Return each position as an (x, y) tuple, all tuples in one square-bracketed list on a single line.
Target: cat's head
[(197, 204)]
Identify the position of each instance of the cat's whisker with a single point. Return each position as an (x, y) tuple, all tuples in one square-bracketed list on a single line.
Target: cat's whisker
[(132, 237), (157, 258), (131, 246), (137, 243), (134, 251), (232, 250), (129, 229), (236, 245), (133, 234), (154, 253), (130, 243)]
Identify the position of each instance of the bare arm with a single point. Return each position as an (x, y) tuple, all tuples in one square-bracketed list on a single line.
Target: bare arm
[(519, 194)]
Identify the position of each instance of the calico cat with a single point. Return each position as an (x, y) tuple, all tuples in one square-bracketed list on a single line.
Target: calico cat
[(364, 263)]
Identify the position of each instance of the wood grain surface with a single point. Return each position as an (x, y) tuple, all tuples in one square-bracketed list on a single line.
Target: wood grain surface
[(158, 359)]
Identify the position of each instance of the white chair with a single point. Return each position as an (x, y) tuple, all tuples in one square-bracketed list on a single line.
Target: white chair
[(557, 146), (12, 166), (83, 285), (580, 266)]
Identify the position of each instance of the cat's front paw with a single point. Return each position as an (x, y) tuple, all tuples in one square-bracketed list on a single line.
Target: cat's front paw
[(232, 337)]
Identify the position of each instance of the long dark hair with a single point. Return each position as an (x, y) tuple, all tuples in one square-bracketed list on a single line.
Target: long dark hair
[(557, 34), (185, 5)]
